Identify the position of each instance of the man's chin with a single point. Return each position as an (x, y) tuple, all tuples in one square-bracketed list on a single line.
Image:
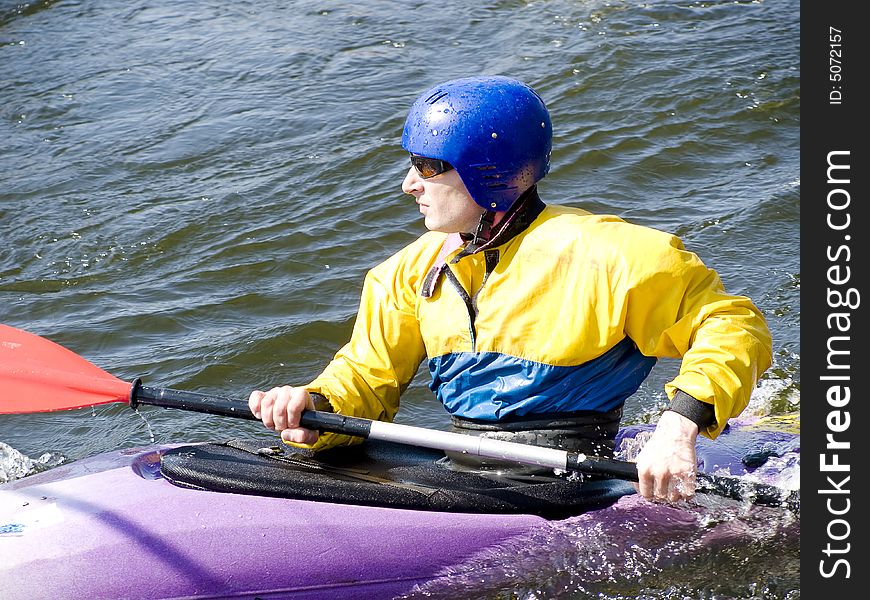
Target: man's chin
[(433, 225)]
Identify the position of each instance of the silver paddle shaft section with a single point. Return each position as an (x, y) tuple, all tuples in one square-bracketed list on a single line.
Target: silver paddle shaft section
[(525, 454), (469, 444)]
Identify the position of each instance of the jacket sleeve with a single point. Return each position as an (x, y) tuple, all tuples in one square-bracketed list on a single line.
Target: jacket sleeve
[(367, 375), (678, 307)]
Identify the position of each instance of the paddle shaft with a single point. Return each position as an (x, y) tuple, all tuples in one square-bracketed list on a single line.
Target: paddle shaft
[(553, 458), (394, 432)]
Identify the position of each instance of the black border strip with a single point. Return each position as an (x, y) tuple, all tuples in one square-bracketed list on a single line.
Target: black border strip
[(834, 222)]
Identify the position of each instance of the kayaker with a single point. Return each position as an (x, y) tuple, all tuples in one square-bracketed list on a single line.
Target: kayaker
[(538, 320)]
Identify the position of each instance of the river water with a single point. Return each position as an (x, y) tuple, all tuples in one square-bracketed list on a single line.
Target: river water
[(191, 192)]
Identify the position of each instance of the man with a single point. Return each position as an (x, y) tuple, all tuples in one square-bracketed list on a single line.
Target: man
[(538, 321)]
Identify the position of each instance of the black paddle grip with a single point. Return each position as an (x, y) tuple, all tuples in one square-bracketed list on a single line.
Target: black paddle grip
[(190, 401), (226, 407), (598, 465), (326, 421)]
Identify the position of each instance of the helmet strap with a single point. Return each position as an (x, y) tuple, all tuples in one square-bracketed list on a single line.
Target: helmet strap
[(517, 218), (484, 228)]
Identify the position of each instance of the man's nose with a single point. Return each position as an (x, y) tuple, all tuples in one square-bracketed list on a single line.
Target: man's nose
[(412, 183)]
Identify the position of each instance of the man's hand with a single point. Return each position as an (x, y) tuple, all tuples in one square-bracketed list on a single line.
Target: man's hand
[(281, 408), (667, 464)]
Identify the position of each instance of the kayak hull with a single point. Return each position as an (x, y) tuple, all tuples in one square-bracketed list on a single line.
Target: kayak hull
[(104, 529)]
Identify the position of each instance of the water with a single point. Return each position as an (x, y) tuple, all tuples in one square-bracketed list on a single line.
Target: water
[(192, 192)]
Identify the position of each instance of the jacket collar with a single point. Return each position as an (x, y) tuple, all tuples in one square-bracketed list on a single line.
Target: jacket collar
[(516, 220)]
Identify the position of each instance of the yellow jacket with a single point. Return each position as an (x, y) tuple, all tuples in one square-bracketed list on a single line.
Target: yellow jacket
[(570, 316)]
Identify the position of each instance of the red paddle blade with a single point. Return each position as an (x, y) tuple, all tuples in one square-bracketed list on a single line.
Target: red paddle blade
[(37, 375)]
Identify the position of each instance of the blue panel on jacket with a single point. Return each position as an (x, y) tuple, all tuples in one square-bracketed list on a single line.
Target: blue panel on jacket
[(490, 386)]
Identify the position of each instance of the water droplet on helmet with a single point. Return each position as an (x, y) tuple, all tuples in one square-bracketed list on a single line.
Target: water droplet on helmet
[(494, 135), (434, 132)]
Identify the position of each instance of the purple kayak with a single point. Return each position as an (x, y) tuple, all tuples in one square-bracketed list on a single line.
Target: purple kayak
[(112, 526)]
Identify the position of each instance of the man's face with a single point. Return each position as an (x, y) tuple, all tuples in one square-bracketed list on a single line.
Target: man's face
[(444, 202)]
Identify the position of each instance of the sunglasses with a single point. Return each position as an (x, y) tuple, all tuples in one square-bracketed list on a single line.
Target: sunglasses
[(429, 167)]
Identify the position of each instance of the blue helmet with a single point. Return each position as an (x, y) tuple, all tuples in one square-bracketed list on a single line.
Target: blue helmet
[(495, 131)]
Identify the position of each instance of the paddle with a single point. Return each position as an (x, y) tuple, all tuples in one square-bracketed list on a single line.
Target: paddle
[(28, 384)]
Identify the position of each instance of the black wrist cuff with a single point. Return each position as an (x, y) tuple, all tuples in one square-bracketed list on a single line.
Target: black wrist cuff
[(321, 402), (700, 413)]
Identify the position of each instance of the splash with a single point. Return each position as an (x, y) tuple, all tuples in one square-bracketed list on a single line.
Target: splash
[(15, 465), (635, 549)]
